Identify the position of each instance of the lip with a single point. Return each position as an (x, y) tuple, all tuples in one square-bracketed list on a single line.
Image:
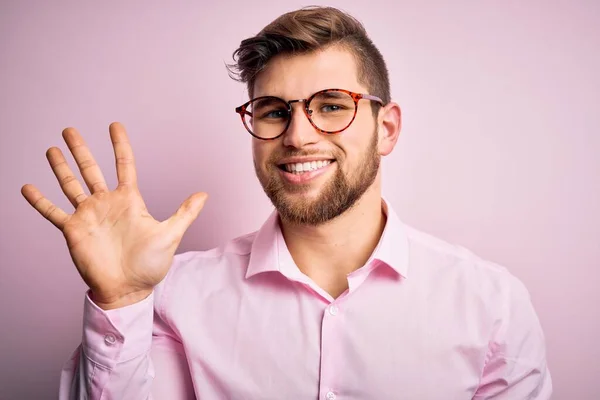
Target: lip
[(295, 160), (306, 176)]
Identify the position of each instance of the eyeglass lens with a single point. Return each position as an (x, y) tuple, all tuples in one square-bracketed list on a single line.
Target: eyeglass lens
[(330, 111)]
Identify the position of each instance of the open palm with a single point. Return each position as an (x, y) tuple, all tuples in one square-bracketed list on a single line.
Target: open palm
[(119, 249)]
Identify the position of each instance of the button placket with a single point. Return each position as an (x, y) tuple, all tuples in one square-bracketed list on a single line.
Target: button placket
[(332, 319)]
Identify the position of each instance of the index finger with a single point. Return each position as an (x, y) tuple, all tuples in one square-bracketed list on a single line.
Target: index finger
[(126, 173)]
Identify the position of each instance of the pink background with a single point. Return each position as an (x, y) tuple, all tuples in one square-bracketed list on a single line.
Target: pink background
[(499, 149)]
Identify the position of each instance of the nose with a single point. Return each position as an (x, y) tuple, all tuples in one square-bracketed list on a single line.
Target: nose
[(300, 132)]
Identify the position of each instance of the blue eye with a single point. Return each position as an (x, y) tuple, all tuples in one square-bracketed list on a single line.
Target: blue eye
[(278, 114), (328, 108), (275, 114)]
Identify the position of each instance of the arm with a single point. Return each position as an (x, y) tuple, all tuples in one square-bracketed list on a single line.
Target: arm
[(128, 353), (123, 254), (516, 367)]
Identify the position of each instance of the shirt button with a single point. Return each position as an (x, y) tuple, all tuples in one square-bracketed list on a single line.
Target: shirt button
[(333, 310), (110, 339), (330, 395)]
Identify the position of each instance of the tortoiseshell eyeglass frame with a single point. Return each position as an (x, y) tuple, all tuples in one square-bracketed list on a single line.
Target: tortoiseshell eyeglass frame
[(243, 110)]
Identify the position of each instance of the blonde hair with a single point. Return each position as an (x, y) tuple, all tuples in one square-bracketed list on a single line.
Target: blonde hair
[(310, 29)]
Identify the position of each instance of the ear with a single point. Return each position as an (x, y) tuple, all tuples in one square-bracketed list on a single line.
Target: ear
[(390, 122)]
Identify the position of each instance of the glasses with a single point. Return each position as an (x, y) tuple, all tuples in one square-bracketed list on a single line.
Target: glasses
[(329, 111)]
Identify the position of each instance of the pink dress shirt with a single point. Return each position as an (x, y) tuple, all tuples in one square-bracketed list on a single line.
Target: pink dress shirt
[(422, 319)]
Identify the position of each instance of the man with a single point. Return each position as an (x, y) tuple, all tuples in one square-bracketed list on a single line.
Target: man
[(333, 298)]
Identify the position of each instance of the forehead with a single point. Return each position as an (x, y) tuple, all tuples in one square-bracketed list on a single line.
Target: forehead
[(299, 76)]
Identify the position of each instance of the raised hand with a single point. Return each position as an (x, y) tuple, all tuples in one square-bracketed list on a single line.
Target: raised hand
[(119, 249)]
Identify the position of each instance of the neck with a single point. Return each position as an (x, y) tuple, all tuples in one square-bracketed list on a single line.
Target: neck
[(329, 252)]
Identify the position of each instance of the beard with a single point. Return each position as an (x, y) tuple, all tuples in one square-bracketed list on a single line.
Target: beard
[(337, 195)]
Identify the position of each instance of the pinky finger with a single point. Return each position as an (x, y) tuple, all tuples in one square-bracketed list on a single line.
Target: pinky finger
[(44, 206)]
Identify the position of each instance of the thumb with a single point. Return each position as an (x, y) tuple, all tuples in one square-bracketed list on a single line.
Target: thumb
[(187, 213)]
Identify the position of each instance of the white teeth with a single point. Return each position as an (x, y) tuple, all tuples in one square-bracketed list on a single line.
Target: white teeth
[(307, 166)]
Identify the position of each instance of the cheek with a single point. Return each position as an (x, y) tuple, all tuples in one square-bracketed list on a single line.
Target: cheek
[(260, 152), (352, 146)]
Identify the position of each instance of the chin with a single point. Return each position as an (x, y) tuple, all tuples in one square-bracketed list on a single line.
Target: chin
[(305, 195)]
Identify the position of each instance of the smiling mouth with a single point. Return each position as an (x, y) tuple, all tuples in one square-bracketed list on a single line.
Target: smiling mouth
[(305, 167)]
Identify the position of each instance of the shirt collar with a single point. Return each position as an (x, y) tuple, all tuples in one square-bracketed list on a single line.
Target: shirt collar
[(392, 248), (264, 256), (270, 253)]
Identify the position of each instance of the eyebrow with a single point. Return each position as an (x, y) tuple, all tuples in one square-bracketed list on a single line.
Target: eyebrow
[(334, 95), (267, 102)]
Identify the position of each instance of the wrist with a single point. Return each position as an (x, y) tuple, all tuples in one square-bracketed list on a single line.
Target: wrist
[(120, 301)]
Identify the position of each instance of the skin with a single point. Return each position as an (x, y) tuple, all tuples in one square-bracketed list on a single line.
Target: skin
[(122, 252), (326, 251), (118, 248)]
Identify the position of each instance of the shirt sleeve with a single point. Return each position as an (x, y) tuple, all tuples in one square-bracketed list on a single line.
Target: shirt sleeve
[(122, 351), (516, 366)]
